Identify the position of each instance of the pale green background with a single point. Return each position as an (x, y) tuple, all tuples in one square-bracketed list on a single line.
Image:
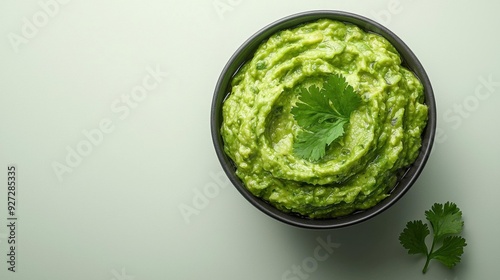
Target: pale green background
[(116, 216)]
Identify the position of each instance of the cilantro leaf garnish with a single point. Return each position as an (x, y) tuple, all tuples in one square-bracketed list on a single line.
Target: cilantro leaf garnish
[(446, 221), (322, 115), (413, 237)]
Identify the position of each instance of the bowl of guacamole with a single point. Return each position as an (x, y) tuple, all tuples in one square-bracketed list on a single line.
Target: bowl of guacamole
[(323, 119)]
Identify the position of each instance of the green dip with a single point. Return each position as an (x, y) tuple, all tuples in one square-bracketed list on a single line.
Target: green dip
[(359, 170)]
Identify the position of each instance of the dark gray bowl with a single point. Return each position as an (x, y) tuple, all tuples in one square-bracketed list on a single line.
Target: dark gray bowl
[(245, 53)]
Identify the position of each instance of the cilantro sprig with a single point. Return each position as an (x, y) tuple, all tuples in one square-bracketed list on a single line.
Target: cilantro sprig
[(447, 224), (322, 114)]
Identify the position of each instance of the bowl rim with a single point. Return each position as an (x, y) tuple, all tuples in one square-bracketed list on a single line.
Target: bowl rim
[(245, 53)]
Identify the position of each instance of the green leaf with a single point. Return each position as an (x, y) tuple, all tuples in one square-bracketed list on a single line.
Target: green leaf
[(322, 115), (413, 237), (311, 109), (445, 220), (346, 102), (451, 251), (311, 144), (307, 145)]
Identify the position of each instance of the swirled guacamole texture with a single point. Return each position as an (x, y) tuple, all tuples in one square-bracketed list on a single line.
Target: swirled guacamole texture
[(359, 170)]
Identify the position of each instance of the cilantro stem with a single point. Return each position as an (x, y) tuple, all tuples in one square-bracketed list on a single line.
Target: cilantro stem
[(429, 256)]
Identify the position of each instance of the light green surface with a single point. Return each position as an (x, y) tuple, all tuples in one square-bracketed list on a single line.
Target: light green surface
[(117, 214)]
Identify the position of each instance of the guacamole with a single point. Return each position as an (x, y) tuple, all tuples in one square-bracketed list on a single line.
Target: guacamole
[(360, 169)]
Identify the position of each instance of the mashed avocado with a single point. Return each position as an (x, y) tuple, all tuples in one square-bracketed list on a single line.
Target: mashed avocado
[(382, 138)]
